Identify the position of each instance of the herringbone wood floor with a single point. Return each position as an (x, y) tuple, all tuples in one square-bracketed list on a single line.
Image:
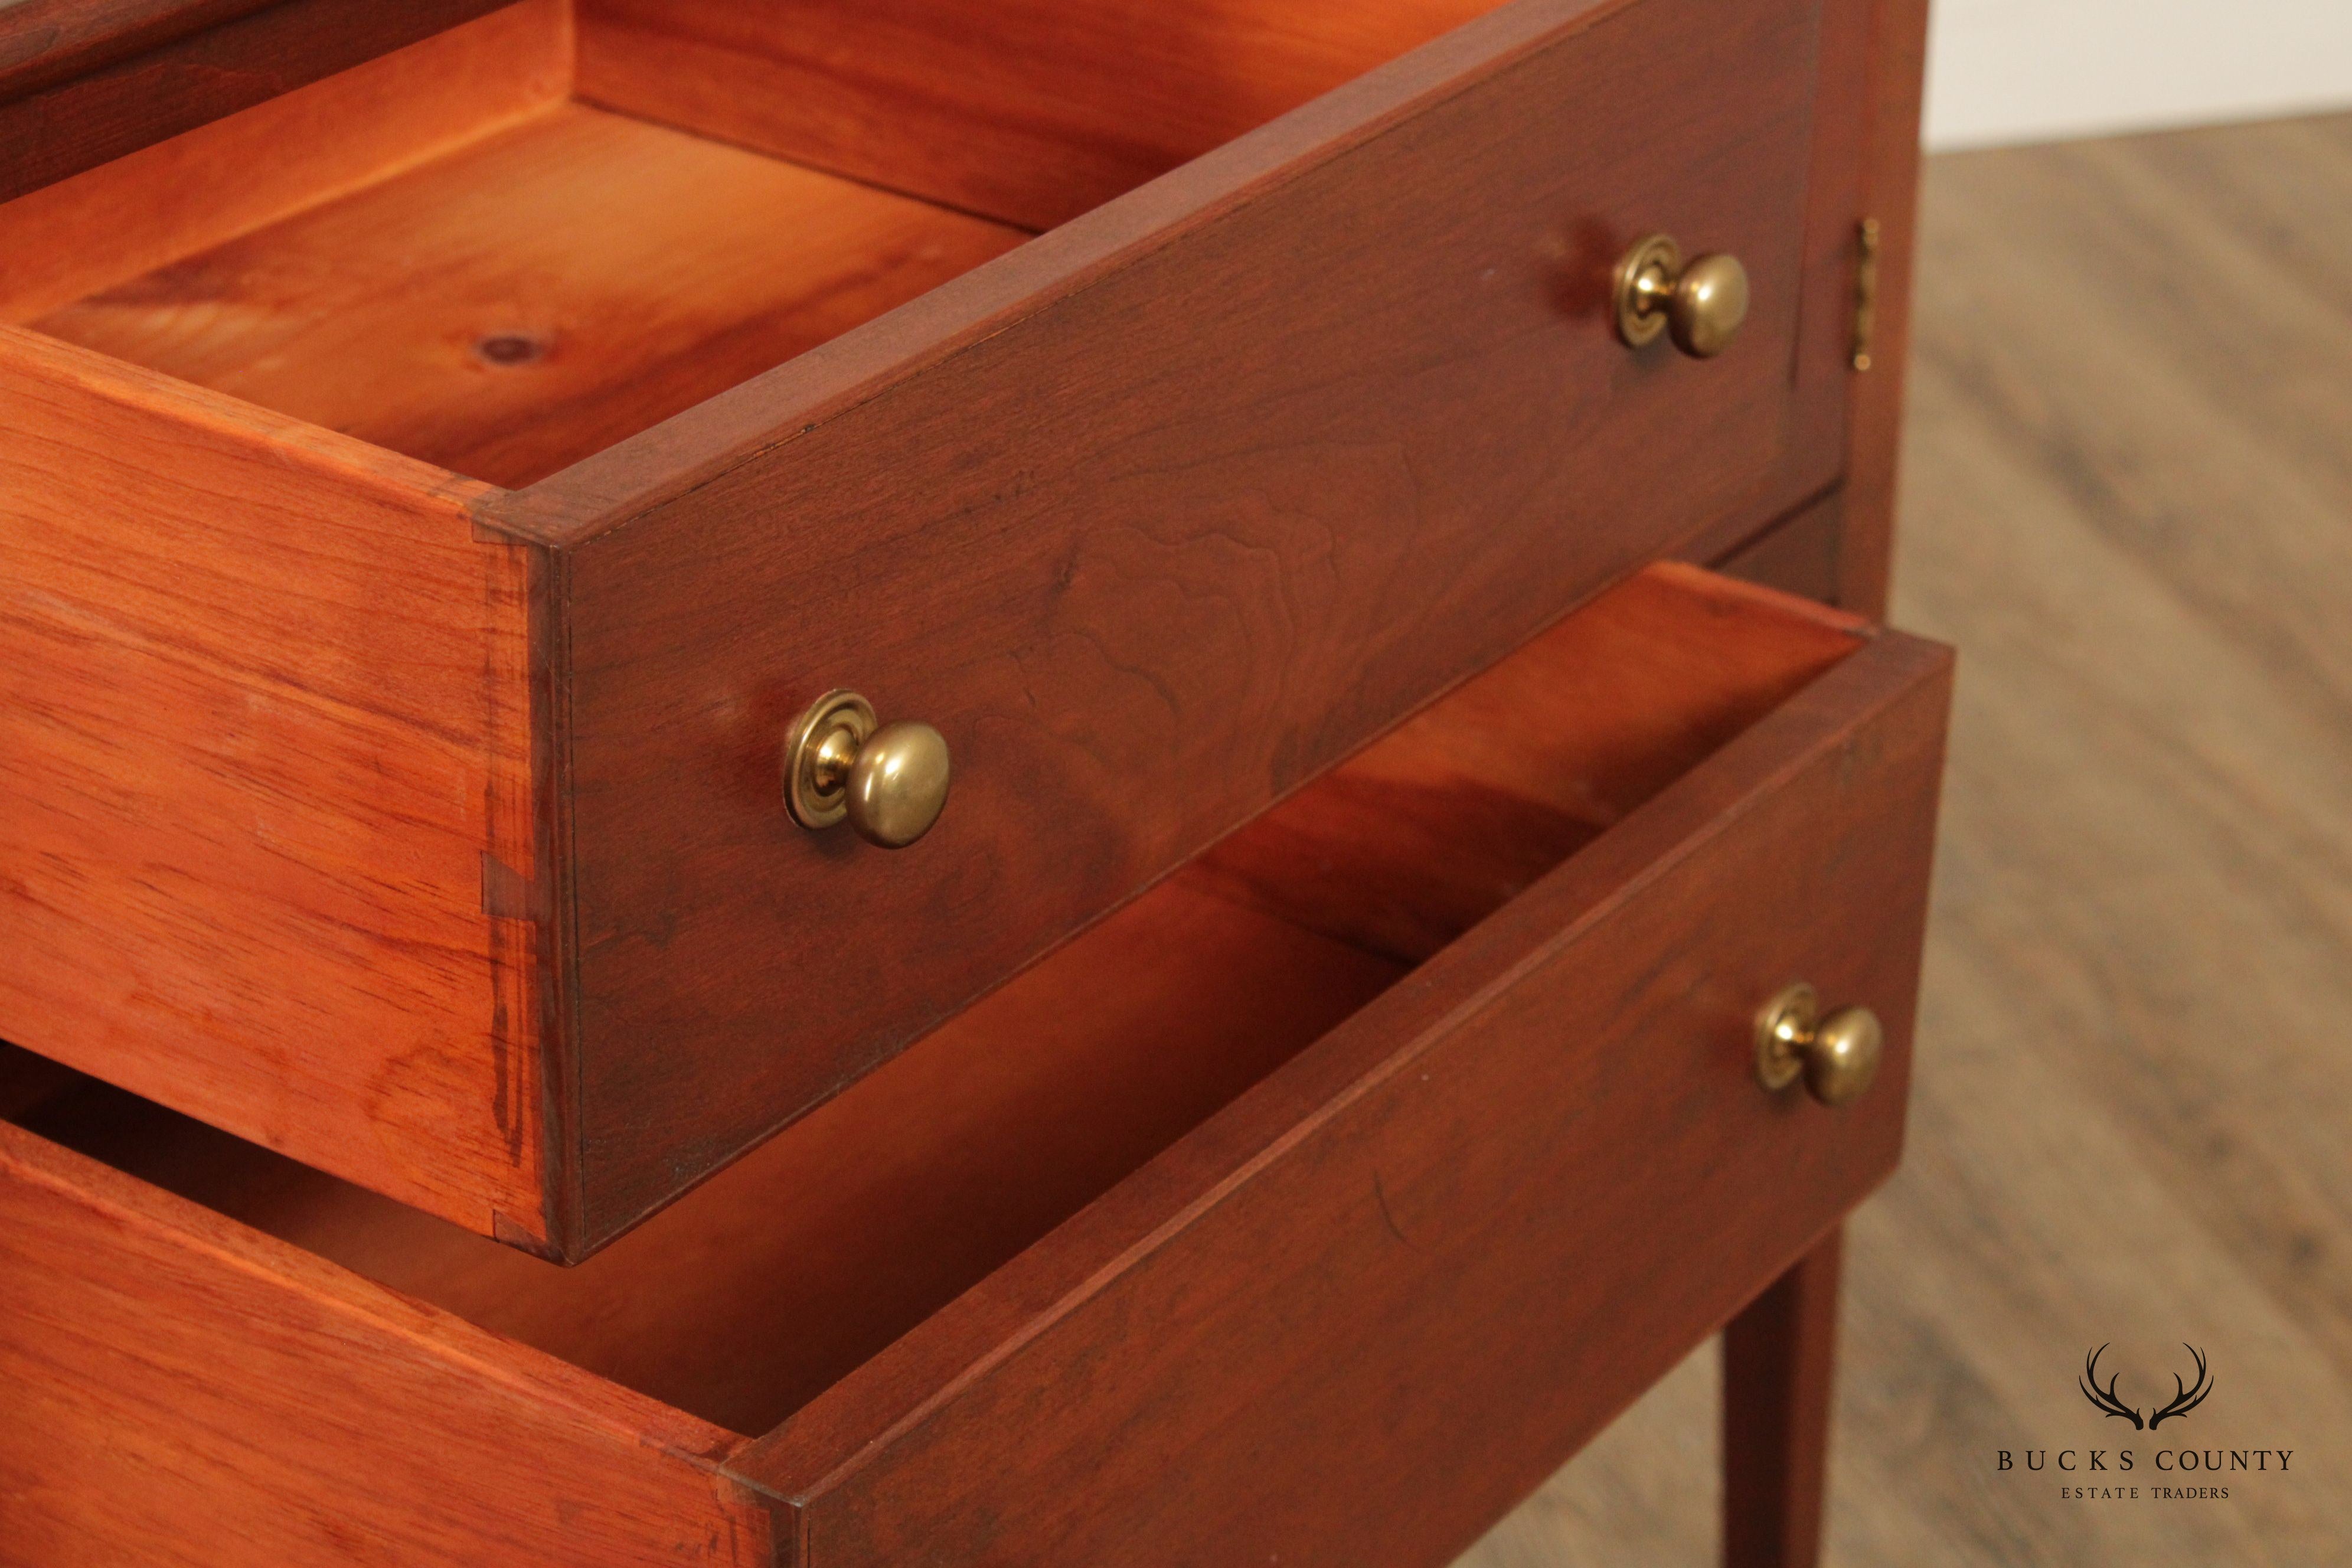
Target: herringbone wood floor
[(2129, 500)]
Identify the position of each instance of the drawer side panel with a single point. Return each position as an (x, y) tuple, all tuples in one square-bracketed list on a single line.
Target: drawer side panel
[(183, 1392), (266, 820), (180, 196)]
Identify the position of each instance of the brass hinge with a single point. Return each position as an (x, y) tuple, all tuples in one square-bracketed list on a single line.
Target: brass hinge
[(1865, 290)]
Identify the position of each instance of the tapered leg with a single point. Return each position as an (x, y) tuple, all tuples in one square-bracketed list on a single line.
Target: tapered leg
[(1777, 1362)]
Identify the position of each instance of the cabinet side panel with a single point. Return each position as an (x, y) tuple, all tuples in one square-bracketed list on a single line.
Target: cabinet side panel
[(181, 1391), (1797, 554), (265, 825), (1898, 54)]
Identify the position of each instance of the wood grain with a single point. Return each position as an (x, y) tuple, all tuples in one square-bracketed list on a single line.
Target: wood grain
[(1372, 1246), (1820, 374), (223, 179), (589, 276), (1052, 109), (78, 105), (764, 1287), (1411, 841), (1315, 455), (1364, 478), (860, 1222), (2122, 494), (183, 1392), (1419, 1288), (262, 717), (746, 425), (44, 41)]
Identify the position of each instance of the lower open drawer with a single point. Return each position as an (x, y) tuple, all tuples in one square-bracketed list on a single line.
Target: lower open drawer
[(1310, 1209)]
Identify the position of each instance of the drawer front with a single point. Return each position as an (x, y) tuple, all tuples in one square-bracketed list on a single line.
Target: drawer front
[(1437, 1252), (1298, 436)]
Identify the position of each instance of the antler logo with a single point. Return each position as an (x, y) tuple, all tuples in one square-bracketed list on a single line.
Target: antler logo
[(2186, 1396)]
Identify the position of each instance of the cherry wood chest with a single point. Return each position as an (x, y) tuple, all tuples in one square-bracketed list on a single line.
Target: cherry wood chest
[(1328, 556)]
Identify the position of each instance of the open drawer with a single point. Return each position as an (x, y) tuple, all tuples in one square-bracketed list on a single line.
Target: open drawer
[(431, 495), (1385, 1152)]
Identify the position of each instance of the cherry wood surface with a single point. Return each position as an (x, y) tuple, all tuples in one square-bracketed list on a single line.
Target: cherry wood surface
[(44, 41), (858, 1221), (1439, 1250), (262, 719), (182, 1391), (1624, 72), (1048, 109), (1410, 1237), (191, 193), (1329, 446), (1893, 74), (589, 276), (85, 81), (1801, 553), (1406, 845), (1165, 510), (1779, 1357), (1290, 1210)]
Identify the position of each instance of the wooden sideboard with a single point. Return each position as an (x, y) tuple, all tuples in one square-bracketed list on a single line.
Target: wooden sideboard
[(1405, 656)]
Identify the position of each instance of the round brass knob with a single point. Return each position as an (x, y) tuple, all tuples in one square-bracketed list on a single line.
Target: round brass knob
[(889, 781), (1702, 304), (1838, 1055)]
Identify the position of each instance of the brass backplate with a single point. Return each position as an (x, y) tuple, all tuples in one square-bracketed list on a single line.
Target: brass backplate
[(1645, 278), (816, 801), (1783, 1024)]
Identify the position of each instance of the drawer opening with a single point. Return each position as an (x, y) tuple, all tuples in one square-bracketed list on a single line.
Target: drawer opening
[(510, 246), (764, 1287)]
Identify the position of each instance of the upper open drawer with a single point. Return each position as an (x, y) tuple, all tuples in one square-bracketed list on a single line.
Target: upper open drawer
[(433, 494)]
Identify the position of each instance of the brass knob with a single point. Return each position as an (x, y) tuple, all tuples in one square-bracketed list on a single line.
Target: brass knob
[(889, 781), (1704, 303), (1837, 1055)]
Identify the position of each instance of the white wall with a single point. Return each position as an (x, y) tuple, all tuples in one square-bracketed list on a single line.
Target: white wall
[(2033, 70)]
